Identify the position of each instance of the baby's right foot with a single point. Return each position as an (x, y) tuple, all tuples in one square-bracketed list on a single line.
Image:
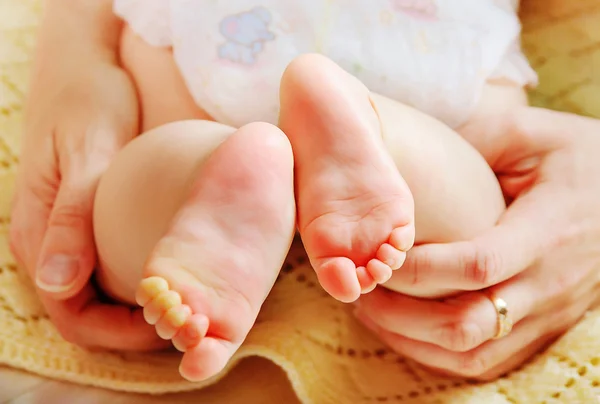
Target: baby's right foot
[(355, 212), (207, 279)]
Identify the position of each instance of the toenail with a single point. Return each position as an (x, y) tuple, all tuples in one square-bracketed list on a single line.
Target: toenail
[(149, 288), (402, 242), (154, 285), (152, 314), (165, 332), (167, 300), (391, 263), (404, 245), (192, 333), (177, 316)]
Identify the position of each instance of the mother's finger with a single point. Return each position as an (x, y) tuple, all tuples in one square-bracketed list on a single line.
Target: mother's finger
[(467, 364), (68, 253), (511, 363), (492, 354), (85, 321), (28, 224), (458, 324), (522, 236)]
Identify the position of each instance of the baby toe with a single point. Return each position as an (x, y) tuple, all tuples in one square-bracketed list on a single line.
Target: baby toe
[(379, 271), (391, 256), (190, 334), (149, 288), (173, 319), (403, 238), (338, 277), (155, 309), (366, 281)]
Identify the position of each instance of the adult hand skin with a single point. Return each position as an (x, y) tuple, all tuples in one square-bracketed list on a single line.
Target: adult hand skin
[(542, 258), (81, 110)]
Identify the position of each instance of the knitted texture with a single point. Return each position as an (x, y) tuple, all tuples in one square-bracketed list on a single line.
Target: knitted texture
[(327, 356)]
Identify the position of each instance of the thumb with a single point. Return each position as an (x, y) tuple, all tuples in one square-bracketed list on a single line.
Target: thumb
[(68, 253), (524, 233), (518, 136)]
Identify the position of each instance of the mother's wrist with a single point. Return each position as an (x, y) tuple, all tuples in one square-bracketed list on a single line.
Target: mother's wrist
[(80, 28)]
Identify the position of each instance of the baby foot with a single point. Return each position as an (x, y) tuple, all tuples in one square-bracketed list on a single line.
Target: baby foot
[(208, 277), (355, 212)]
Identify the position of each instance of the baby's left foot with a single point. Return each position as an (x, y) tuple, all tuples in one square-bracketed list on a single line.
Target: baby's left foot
[(208, 277), (355, 211)]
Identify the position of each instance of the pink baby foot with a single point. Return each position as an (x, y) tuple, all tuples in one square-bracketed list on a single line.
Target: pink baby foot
[(208, 277), (355, 211)]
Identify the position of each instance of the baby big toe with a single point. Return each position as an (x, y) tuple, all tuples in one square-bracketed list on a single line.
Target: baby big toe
[(338, 277), (206, 359)]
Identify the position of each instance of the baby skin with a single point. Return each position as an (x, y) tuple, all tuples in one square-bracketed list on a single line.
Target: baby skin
[(355, 209), (203, 284)]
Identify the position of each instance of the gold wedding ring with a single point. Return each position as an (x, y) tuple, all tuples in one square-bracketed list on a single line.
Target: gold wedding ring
[(504, 323)]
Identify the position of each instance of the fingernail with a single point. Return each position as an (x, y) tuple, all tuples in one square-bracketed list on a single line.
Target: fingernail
[(58, 273)]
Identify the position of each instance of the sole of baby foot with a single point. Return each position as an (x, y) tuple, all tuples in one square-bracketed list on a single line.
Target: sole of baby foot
[(209, 275), (355, 211)]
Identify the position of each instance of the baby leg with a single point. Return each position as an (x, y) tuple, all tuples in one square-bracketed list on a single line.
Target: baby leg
[(162, 92), (209, 274), (205, 279), (349, 148), (499, 98)]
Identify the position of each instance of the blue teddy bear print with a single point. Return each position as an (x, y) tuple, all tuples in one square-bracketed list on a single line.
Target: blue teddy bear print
[(246, 34)]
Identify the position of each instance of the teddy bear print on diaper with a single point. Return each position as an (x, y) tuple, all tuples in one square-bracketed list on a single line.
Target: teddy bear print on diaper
[(420, 9), (245, 34)]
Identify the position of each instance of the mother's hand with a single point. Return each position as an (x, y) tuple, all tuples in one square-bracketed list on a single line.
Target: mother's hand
[(81, 110), (542, 258)]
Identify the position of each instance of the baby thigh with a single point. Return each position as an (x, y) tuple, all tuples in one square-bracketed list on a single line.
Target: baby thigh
[(498, 97), (457, 195), (162, 93), (146, 183), (141, 192)]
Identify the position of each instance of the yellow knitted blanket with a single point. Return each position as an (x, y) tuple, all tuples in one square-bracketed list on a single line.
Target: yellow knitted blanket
[(326, 355)]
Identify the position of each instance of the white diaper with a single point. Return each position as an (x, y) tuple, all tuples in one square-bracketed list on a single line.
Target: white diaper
[(432, 54)]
